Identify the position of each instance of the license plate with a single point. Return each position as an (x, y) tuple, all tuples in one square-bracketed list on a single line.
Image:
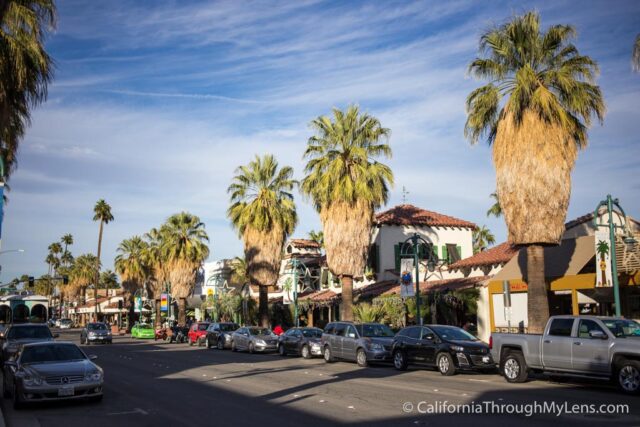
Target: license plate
[(65, 391)]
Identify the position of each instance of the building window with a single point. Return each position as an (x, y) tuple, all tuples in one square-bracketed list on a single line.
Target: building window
[(448, 256)]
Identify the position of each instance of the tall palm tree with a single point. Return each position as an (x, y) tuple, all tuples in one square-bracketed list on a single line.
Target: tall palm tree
[(317, 236), (157, 277), (66, 240), (82, 274), (25, 69), (184, 250), (482, 238), (102, 213), (131, 266), (263, 212), (535, 111), (495, 209), (53, 258), (635, 57), (347, 183)]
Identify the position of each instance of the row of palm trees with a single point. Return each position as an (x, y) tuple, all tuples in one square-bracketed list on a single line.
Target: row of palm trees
[(164, 259)]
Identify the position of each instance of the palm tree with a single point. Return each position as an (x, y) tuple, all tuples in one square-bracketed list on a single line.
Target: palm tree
[(130, 265), (157, 270), (347, 183), (184, 250), (535, 111), (317, 236), (83, 274), (482, 237), (109, 279), (239, 274), (25, 70), (66, 240), (635, 58), (52, 258), (102, 213), (263, 212), (495, 209)]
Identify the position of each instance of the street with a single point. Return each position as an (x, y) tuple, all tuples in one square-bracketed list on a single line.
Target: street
[(152, 384)]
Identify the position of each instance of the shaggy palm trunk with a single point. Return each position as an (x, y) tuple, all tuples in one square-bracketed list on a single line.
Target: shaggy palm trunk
[(347, 299), (537, 299), (264, 306), (131, 315), (158, 319), (182, 311)]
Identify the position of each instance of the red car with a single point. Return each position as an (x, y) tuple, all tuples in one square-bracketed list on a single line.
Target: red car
[(198, 333)]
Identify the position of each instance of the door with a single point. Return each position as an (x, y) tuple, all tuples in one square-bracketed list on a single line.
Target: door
[(336, 339), (410, 341), (557, 345), (241, 339), (427, 347), (288, 339), (349, 343), (590, 355)]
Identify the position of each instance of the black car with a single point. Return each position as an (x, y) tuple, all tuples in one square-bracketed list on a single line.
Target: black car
[(219, 334), (12, 338), (447, 348), (95, 332), (303, 342)]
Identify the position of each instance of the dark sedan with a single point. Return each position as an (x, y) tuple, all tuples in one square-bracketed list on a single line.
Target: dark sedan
[(448, 348), (303, 342), (17, 335), (219, 335)]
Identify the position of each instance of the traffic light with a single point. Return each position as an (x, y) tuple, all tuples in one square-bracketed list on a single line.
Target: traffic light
[(65, 280), (32, 281)]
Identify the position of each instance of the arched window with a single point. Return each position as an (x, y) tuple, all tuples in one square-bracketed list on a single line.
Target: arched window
[(38, 313), (5, 314), (20, 314)]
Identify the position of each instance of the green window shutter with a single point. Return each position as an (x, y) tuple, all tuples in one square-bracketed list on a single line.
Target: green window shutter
[(445, 255), (396, 249), (459, 248)]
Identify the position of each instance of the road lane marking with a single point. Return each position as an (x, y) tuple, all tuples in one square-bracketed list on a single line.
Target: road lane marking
[(135, 411), (479, 381)]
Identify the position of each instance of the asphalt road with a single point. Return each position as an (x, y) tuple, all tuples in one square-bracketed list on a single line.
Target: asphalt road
[(153, 384)]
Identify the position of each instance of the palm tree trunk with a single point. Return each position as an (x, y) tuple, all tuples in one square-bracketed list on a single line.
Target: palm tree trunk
[(98, 269), (131, 313), (347, 299), (182, 311), (264, 306), (537, 298), (158, 323)]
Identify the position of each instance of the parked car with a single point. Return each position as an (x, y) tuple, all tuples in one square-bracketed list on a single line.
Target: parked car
[(48, 371), (362, 343), (197, 333), (599, 347), (254, 339), (219, 335), (95, 332), (66, 324), (447, 348), (305, 342), (19, 334), (143, 330)]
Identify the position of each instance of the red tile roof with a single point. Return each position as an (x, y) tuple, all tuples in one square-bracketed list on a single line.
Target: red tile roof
[(444, 285), (305, 243), (411, 215), (500, 254)]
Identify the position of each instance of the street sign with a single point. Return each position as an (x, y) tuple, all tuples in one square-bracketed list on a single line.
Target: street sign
[(138, 305)]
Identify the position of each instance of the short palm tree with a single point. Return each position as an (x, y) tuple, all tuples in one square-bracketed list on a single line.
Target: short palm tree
[(25, 69), (317, 236), (635, 57), (130, 265), (239, 274), (347, 183), (157, 279), (109, 279), (264, 214), (495, 209), (535, 111), (482, 238), (82, 274), (102, 213), (183, 249)]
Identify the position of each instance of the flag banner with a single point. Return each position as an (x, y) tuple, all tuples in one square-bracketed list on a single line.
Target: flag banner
[(603, 259), (406, 278)]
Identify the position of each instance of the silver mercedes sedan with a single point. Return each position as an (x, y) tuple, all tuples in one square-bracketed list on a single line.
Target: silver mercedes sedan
[(48, 371)]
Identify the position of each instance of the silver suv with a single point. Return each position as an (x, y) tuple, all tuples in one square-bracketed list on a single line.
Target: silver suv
[(359, 342)]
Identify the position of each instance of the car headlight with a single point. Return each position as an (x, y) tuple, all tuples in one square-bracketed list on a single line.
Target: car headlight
[(261, 342), (375, 346), (315, 345), (457, 348), (93, 376), (30, 380), (92, 334)]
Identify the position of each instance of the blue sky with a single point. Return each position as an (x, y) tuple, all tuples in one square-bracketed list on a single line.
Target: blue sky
[(154, 105)]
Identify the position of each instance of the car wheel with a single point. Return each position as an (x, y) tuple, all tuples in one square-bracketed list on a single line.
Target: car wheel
[(445, 364), (361, 358), (281, 350), (514, 368), (628, 376), (220, 344), (306, 353), (17, 401), (328, 356), (251, 349), (400, 360)]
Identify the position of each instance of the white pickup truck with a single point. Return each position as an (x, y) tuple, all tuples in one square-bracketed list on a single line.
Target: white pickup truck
[(586, 346)]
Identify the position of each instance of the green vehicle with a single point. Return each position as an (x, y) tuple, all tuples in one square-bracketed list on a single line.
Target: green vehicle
[(142, 330)]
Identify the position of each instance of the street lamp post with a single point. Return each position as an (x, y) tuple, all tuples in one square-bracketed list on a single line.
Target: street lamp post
[(432, 260), (295, 265), (612, 205)]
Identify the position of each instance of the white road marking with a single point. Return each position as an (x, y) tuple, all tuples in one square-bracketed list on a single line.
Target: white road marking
[(479, 381), (350, 407), (321, 401), (135, 411)]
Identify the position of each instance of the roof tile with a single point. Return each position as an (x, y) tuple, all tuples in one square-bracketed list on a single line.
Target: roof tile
[(411, 215)]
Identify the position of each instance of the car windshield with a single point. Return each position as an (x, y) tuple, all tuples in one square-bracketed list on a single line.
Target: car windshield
[(312, 333), (144, 326), (374, 330), (622, 327), (51, 353), (453, 333), (97, 327), (29, 332), (228, 327), (260, 331)]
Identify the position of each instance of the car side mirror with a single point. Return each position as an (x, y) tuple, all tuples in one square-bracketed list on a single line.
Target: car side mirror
[(598, 335), (93, 357)]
